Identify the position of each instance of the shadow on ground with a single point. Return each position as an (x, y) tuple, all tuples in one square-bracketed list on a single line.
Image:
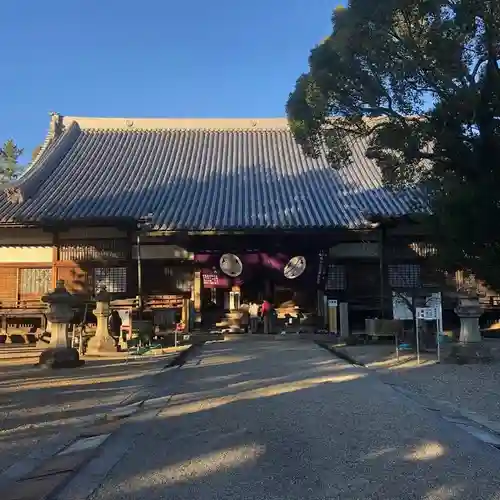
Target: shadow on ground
[(256, 422), (36, 403)]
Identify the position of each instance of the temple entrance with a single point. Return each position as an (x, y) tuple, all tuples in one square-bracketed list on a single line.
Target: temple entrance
[(262, 277)]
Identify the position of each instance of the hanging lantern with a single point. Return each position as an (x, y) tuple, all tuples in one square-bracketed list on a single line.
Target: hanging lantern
[(295, 267), (231, 265)]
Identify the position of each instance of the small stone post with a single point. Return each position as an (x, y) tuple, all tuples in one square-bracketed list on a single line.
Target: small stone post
[(59, 312), (102, 342)]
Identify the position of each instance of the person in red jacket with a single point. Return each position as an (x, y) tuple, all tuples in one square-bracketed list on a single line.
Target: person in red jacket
[(266, 311)]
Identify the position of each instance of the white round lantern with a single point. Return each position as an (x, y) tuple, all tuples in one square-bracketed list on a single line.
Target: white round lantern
[(231, 265), (295, 267)]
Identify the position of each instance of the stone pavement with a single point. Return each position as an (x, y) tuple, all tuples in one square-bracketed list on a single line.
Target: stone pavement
[(288, 421), (39, 406)]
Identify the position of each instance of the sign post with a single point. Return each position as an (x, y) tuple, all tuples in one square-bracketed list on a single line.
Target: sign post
[(435, 301), (396, 338), (428, 314), (332, 316)]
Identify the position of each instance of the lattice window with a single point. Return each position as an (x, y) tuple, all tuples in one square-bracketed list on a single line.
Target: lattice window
[(113, 278), (35, 281), (404, 275), (336, 277)]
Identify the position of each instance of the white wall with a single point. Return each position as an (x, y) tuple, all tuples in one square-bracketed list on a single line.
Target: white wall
[(17, 255)]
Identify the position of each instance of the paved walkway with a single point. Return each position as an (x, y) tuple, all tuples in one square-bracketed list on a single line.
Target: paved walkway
[(285, 420)]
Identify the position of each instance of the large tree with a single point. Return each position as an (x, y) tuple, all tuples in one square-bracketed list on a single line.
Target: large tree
[(420, 80), (9, 156)]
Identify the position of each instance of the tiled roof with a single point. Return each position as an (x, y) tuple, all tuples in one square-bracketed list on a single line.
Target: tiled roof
[(197, 175)]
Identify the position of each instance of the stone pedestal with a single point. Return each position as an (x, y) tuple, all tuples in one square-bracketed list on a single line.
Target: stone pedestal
[(469, 312), (470, 348), (59, 312), (102, 342)]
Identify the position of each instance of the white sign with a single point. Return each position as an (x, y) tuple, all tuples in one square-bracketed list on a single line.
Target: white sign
[(125, 317), (433, 300), (427, 313), (332, 303), (400, 309), (186, 337)]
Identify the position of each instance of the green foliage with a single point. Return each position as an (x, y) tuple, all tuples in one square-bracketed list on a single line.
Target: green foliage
[(420, 80), (9, 155)]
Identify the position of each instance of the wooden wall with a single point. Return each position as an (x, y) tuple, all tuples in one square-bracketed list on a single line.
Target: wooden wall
[(27, 271)]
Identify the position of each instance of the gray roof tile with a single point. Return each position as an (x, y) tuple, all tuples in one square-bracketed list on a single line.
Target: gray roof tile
[(199, 178)]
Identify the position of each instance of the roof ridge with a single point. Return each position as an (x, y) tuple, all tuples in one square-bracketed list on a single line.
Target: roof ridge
[(55, 129), (61, 140), (100, 123)]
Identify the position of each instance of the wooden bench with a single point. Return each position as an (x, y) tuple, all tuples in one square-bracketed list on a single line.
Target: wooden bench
[(376, 328)]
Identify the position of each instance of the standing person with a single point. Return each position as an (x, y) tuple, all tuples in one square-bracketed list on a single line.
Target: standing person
[(245, 316), (253, 311), (115, 325), (266, 311)]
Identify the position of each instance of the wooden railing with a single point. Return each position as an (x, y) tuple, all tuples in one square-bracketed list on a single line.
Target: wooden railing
[(163, 301), (22, 304), (35, 305), (490, 302)]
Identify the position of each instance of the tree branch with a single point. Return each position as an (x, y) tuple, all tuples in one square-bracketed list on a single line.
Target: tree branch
[(476, 68), (415, 50)]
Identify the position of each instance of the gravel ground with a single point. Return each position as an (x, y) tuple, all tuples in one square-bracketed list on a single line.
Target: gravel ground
[(287, 420), (35, 404), (471, 388)]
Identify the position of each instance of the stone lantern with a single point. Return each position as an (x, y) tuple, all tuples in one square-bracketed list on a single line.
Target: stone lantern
[(470, 348), (59, 312), (469, 311), (102, 341)]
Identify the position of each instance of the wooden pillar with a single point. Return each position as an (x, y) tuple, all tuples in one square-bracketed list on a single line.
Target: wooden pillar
[(197, 296), (344, 320), (55, 257), (131, 266), (382, 271), (268, 290)]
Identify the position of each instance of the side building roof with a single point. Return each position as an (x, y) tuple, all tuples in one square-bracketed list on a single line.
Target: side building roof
[(197, 175)]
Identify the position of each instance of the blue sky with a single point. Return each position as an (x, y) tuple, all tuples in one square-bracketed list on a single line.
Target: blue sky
[(163, 58)]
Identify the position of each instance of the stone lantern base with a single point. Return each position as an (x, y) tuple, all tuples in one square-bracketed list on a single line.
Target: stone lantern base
[(99, 344), (60, 357), (470, 348)]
